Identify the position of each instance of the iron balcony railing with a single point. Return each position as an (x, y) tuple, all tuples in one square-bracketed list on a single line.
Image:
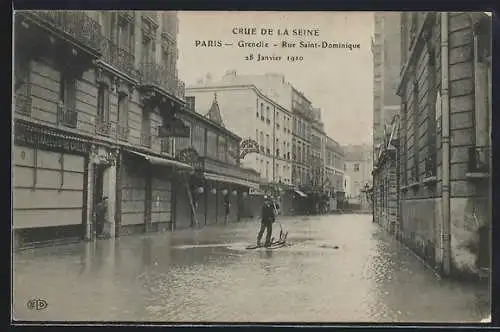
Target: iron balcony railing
[(479, 159), (146, 139), (156, 75), (167, 146), (102, 127), (126, 15), (23, 105), (118, 57), (122, 131), (67, 116), (430, 166), (77, 24)]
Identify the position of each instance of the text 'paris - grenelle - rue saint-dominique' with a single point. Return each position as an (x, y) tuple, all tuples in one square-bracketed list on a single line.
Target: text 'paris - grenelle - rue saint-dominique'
[(252, 31)]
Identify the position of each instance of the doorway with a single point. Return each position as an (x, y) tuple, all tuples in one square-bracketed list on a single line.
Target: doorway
[(97, 195)]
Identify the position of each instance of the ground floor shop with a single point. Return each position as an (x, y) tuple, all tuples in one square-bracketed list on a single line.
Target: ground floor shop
[(61, 182), (50, 172), (216, 199)]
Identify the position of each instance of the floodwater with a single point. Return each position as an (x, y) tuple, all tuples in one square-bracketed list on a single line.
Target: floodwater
[(338, 268)]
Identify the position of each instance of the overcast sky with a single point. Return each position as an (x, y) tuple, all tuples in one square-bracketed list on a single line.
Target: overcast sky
[(339, 81)]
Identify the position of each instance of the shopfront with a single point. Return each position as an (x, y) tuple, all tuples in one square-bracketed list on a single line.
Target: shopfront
[(49, 189)]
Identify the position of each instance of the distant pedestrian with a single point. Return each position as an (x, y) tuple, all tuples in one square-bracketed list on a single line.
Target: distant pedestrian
[(267, 219), (101, 215), (227, 208)]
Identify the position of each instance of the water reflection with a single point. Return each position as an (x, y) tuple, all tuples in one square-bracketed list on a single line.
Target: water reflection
[(193, 276)]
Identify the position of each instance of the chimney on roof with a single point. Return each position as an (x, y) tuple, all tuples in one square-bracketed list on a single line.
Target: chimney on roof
[(208, 78)]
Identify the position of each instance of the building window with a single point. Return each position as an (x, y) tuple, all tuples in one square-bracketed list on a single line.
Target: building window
[(190, 103), (199, 139), (232, 153), (126, 37), (413, 28), (148, 50), (103, 103), (356, 167), (67, 91), (122, 126), (22, 76), (267, 170), (22, 87), (416, 135), (211, 144), (222, 149)]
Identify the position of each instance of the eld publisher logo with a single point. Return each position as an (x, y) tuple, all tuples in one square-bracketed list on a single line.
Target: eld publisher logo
[(37, 304)]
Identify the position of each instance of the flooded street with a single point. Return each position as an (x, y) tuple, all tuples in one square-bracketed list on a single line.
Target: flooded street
[(208, 275)]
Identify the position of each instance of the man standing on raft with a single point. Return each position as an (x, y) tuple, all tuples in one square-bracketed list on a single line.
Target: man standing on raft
[(267, 219)]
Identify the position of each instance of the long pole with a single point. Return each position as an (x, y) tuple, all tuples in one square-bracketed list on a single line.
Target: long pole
[(445, 106)]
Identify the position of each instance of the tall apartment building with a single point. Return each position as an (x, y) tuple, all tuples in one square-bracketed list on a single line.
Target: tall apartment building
[(357, 168), (386, 49), (251, 114), (334, 164), (445, 138), (92, 89), (318, 140), (301, 142)]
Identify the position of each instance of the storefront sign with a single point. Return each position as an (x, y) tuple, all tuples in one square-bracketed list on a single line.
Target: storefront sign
[(29, 135), (254, 191)]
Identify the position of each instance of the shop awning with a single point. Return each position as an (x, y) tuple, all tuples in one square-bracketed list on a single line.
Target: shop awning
[(300, 193), (228, 179), (162, 161)]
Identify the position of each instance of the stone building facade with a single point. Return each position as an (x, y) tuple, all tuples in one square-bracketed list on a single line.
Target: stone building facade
[(445, 138), (385, 190), (219, 186), (358, 167), (96, 103), (386, 50)]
